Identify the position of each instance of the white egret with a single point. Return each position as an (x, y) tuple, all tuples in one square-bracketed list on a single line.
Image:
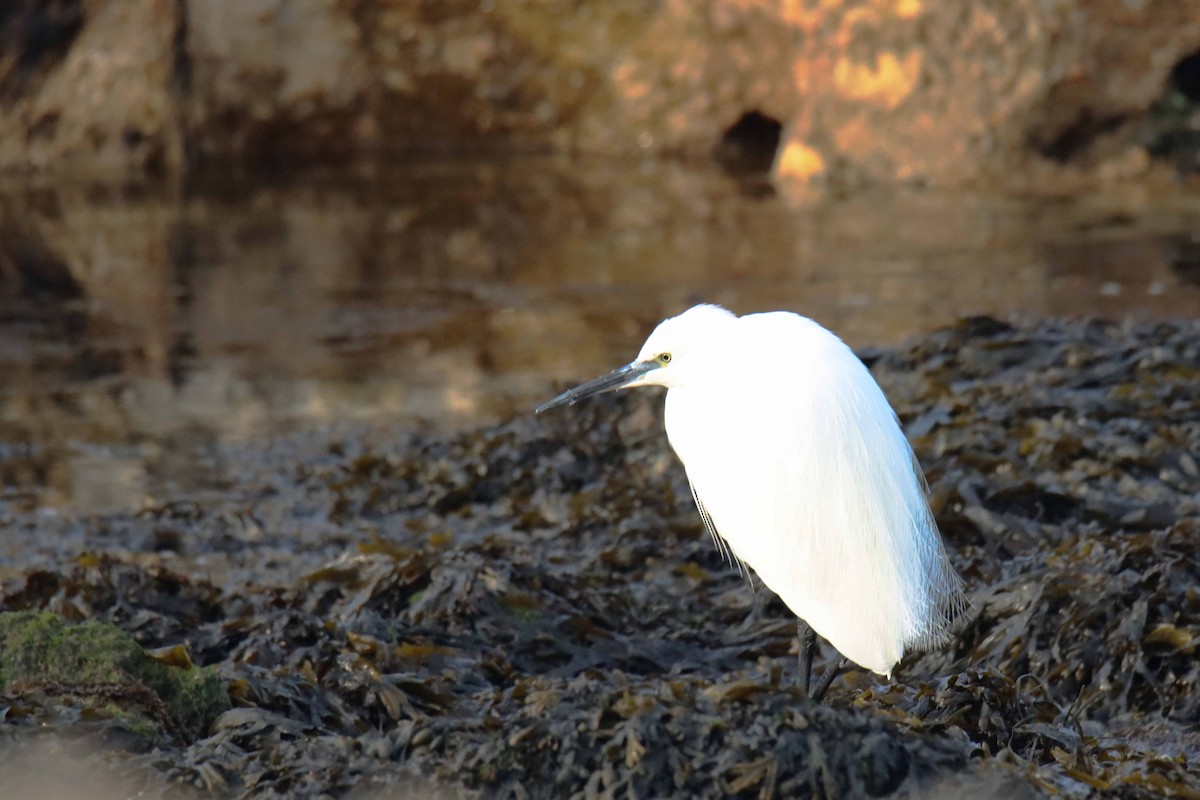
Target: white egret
[(798, 464)]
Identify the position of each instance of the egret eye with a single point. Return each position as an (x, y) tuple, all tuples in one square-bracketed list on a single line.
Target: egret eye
[(663, 358)]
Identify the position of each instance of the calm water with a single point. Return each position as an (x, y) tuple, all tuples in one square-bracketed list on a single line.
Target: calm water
[(143, 328)]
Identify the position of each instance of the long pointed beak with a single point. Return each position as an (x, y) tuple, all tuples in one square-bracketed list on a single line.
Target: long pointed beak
[(617, 379)]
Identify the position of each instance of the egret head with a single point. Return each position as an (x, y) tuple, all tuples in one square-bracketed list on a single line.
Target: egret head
[(668, 358)]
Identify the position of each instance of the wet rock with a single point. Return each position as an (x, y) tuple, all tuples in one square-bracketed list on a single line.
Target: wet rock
[(905, 91), (90, 87), (275, 79)]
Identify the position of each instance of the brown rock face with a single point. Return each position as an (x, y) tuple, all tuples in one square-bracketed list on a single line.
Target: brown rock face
[(947, 92), (926, 91), (89, 86), (277, 78)]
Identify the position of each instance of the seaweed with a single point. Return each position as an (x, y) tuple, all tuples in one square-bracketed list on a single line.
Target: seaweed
[(534, 609)]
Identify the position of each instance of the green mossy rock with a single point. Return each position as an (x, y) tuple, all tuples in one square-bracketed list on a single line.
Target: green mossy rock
[(109, 671)]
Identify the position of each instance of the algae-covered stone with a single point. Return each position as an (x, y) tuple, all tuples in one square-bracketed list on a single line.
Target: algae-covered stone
[(108, 670)]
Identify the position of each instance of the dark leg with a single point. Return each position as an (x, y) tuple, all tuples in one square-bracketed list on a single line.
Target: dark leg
[(827, 679), (808, 644)]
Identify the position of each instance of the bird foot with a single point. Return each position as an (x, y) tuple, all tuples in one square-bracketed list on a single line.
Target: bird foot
[(827, 680)]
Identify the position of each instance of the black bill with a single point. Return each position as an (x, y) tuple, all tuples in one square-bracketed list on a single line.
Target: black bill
[(613, 380)]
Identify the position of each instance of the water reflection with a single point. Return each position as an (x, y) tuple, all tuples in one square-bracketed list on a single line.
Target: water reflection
[(143, 327)]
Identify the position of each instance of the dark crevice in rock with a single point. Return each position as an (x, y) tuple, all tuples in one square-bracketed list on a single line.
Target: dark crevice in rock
[(38, 34), (1185, 77), (1078, 137), (749, 145), (29, 270), (1183, 254), (1172, 130), (183, 77)]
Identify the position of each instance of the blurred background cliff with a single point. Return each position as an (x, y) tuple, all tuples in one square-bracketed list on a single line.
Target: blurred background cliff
[(920, 91), (225, 217)]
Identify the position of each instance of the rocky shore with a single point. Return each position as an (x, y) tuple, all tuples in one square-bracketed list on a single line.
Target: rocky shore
[(533, 609)]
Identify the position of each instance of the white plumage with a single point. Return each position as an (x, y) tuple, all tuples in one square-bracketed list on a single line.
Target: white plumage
[(798, 463)]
